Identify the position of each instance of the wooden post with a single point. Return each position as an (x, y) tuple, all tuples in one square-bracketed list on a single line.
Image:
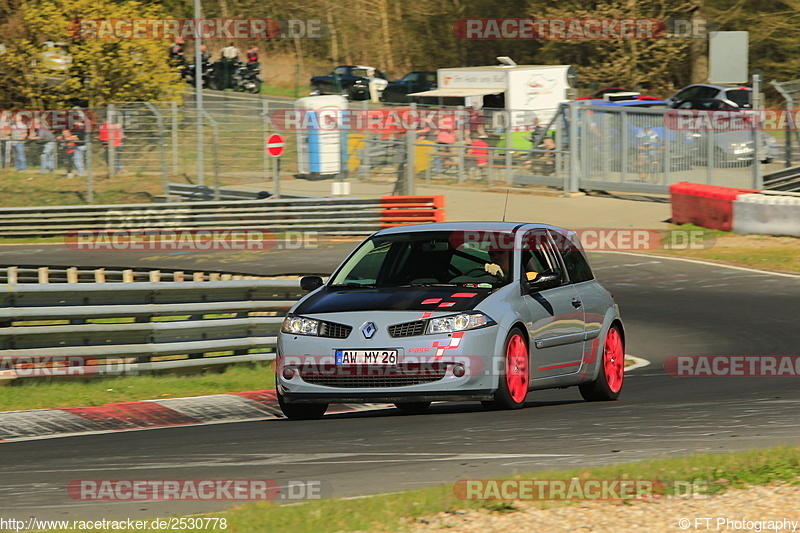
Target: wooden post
[(44, 275), (72, 275), (100, 275), (127, 276)]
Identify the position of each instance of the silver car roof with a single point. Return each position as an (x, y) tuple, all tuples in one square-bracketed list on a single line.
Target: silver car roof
[(509, 227)]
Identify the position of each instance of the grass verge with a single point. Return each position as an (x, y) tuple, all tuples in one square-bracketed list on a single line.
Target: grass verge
[(41, 394), (708, 473), (765, 252)]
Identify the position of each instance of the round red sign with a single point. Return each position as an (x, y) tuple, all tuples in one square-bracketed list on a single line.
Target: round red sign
[(275, 145)]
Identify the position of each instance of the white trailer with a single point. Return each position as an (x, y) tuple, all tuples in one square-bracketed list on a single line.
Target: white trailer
[(527, 92)]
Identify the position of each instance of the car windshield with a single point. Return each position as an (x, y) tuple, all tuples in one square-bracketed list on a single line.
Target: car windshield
[(460, 258)]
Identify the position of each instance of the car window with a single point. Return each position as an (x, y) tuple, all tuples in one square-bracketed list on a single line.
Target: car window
[(421, 258), (740, 97), (575, 261), (429, 77), (410, 77), (538, 254), (365, 265), (706, 92), (689, 92)]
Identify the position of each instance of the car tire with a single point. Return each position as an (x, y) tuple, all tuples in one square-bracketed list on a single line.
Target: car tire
[(302, 411), (514, 379), (611, 376), (414, 408)]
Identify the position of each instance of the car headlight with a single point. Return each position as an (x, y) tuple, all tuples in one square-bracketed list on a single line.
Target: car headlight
[(298, 325), (460, 322)]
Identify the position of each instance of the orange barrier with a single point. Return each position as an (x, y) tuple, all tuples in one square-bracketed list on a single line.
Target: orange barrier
[(708, 206), (402, 210)]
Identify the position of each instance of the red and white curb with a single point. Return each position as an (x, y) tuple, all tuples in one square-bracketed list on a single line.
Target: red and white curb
[(151, 414), (171, 412)]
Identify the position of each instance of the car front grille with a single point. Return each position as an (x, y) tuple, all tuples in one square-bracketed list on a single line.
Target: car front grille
[(358, 376), (334, 331), (408, 329)]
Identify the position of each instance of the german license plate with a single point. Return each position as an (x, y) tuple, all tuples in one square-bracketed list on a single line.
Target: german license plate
[(366, 357)]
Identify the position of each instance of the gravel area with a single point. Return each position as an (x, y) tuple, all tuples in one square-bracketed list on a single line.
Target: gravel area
[(757, 508)]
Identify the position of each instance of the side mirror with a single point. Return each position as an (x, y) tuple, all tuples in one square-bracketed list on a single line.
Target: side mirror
[(544, 280), (309, 283)]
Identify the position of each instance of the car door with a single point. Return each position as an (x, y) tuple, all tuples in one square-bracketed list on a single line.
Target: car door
[(594, 299), (555, 316)]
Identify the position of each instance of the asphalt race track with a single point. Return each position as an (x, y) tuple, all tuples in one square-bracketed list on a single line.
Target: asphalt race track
[(670, 307)]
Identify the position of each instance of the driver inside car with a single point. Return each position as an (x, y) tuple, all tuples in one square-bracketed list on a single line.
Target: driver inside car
[(500, 262)]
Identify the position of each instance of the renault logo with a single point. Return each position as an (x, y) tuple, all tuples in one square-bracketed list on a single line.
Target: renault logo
[(368, 329)]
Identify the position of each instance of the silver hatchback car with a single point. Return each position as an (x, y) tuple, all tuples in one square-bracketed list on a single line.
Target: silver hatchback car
[(451, 311)]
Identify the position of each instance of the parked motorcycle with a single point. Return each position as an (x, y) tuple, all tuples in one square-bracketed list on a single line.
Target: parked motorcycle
[(187, 72), (247, 78)]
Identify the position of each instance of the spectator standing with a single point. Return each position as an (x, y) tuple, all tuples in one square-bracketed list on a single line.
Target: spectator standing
[(70, 141), (19, 134), (5, 146), (230, 52), (47, 139), (111, 136), (479, 150), (177, 53), (252, 56)]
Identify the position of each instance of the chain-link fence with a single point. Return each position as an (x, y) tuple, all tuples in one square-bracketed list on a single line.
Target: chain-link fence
[(582, 147)]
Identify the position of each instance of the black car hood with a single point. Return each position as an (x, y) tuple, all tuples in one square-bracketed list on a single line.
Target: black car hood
[(393, 299)]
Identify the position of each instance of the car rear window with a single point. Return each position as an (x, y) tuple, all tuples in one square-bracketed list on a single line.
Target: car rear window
[(740, 97)]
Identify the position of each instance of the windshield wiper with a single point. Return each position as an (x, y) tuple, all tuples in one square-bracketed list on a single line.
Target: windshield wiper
[(354, 285)]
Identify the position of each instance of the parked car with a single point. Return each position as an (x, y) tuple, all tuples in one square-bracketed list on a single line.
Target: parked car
[(731, 148), (451, 311), (347, 80), (735, 96), (413, 82)]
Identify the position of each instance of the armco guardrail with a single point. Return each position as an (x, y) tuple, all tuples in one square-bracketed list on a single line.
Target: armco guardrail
[(767, 214), (45, 274), (787, 179), (129, 328), (333, 216)]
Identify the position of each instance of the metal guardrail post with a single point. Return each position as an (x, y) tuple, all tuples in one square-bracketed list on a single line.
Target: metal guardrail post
[(266, 128), (574, 147), (214, 151), (758, 175), (509, 173), (88, 166), (112, 150), (175, 161), (161, 145), (625, 144), (411, 155)]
